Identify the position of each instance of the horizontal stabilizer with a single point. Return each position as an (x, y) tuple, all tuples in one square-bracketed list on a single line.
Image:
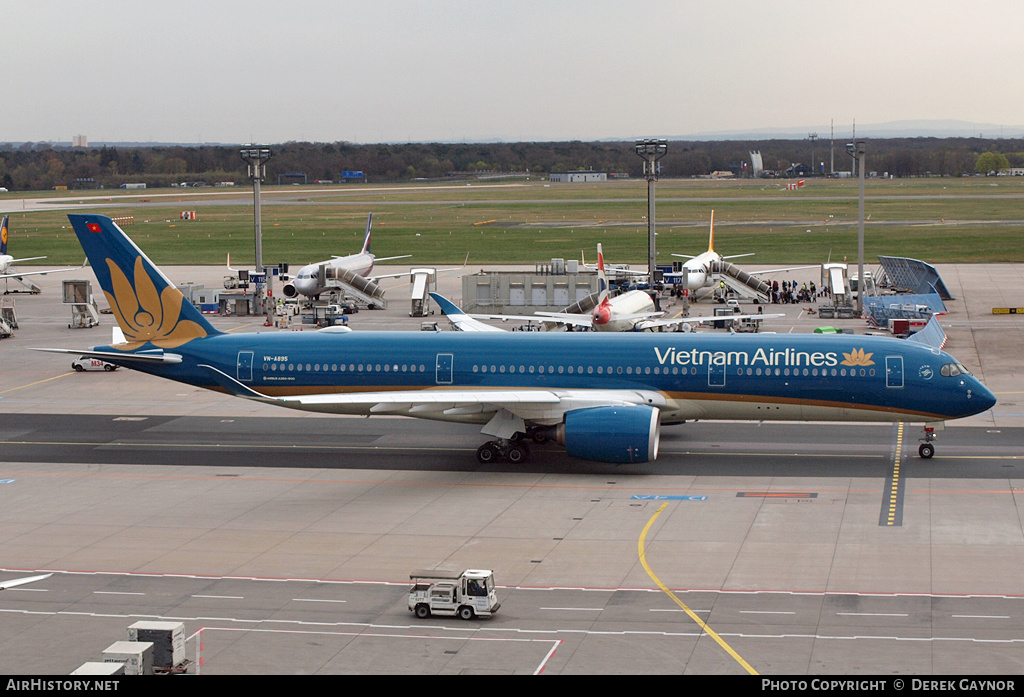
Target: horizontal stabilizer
[(118, 356)]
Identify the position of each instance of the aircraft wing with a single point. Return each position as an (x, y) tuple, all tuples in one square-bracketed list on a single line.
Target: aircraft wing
[(789, 268), (612, 271), (576, 320), (4, 585), (406, 273), (377, 277), (675, 321), (22, 274), (581, 320)]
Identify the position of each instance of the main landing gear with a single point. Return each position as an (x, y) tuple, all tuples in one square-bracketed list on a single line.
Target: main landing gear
[(926, 450), (502, 449), (512, 449)]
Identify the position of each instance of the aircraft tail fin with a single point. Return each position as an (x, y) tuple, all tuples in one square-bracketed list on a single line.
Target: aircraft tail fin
[(602, 279), (147, 306), (366, 240), (3, 236), (711, 237), (602, 312)]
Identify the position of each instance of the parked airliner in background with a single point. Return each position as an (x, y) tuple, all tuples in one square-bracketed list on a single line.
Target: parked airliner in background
[(604, 396), (632, 311), (7, 261), (700, 269), (310, 282)]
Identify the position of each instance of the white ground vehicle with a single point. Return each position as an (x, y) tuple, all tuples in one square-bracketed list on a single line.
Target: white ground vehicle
[(468, 595), (85, 363)]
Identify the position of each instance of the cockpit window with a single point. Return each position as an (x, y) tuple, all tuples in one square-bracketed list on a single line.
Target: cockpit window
[(953, 369)]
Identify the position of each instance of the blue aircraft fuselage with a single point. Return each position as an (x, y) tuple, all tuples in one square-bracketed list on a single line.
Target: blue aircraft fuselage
[(807, 377)]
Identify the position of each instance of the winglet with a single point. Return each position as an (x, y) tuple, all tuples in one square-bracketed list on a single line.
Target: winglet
[(448, 308)]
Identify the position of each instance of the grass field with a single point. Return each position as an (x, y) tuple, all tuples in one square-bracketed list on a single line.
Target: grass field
[(972, 219)]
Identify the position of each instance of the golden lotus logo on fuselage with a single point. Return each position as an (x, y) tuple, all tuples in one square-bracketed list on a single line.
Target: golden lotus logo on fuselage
[(145, 315), (858, 357)]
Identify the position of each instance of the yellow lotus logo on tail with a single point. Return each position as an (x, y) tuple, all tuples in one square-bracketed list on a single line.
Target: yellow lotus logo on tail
[(857, 357), (145, 315)]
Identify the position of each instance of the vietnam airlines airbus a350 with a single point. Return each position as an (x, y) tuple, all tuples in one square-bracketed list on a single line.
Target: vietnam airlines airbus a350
[(604, 396)]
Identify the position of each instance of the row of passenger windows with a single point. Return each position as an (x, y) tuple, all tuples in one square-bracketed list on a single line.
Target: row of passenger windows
[(674, 370), (341, 368), (550, 369)]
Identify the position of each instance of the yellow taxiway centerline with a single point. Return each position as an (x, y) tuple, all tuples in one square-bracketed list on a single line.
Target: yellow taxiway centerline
[(680, 603), (37, 382)]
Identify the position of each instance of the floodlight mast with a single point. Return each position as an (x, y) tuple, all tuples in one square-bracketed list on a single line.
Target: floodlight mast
[(256, 157), (857, 150), (651, 150)]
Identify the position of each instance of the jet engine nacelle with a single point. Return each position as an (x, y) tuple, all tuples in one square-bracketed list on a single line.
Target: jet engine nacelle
[(624, 434), (289, 290)]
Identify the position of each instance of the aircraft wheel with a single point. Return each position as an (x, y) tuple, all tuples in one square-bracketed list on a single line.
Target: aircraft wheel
[(422, 611), (466, 612), (516, 454), (926, 450), (486, 454)]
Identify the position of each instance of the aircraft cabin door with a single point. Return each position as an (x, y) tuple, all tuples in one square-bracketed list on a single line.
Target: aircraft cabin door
[(244, 368), (894, 371), (716, 375), (443, 368)]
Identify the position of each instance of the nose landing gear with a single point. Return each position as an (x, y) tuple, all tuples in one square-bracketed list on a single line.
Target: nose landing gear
[(926, 449)]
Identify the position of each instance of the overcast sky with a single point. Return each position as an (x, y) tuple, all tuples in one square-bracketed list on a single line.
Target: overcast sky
[(450, 70)]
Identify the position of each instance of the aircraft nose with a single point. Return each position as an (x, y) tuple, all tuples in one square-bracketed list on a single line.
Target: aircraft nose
[(982, 398)]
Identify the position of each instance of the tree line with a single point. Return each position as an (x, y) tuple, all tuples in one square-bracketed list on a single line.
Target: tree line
[(40, 166)]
